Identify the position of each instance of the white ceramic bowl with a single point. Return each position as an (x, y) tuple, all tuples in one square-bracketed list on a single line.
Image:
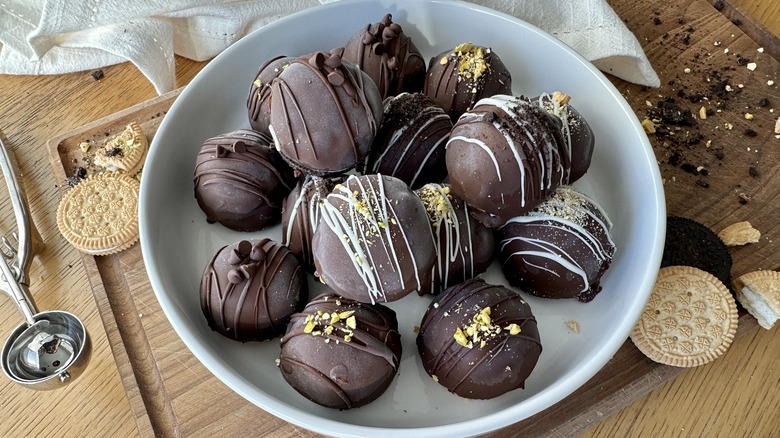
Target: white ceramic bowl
[(177, 242)]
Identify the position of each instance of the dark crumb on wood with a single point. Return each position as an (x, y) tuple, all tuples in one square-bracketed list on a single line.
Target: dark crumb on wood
[(690, 168), (80, 172), (741, 60), (702, 183), (719, 154), (736, 22), (672, 114), (750, 132), (763, 102), (752, 171), (97, 75), (719, 4), (686, 38), (675, 159), (743, 198), (657, 21)]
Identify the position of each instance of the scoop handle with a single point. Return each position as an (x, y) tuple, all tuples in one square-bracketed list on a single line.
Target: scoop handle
[(19, 293), (26, 232)]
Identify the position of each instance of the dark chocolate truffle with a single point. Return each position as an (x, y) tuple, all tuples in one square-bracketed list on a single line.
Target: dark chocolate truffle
[(479, 340), (240, 181), (249, 290), (374, 240), (504, 158), (577, 135), (325, 114), (464, 246), (691, 243), (458, 78), (560, 249), (301, 214), (341, 353), (258, 103), (388, 56), (410, 142)]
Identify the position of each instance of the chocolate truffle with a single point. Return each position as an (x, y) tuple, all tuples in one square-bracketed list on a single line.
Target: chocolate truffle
[(560, 249), (458, 78), (240, 181), (504, 157), (479, 340), (464, 246), (301, 214), (410, 142), (341, 353), (325, 114), (388, 56), (258, 103), (374, 240), (576, 132), (249, 290)]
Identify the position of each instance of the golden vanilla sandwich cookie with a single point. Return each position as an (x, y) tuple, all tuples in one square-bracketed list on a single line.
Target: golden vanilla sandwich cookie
[(759, 294), (125, 151), (99, 216), (690, 318)]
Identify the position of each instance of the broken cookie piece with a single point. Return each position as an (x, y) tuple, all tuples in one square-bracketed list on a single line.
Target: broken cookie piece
[(759, 294), (739, 233), (125, 151)]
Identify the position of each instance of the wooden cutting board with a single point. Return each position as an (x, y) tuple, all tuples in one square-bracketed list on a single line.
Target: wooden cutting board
[(172, 394)]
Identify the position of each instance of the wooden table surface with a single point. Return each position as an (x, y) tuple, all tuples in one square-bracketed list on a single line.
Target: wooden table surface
[(737, 395)]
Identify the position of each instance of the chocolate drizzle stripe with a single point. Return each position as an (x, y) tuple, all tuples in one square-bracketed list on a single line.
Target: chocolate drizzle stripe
[(562, 112), (482, 145), (425, 160), (287, 94), (323, 377)]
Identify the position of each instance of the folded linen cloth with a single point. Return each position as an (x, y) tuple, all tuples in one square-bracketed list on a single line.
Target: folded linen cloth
[(54, 36)]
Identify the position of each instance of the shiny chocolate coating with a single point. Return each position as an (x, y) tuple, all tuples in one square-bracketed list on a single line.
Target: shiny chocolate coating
[(479, 340), (504, 157), (301, 213), (410, 142), (561, 249), (258, 102), (249, 289), (341, 353), (325, 114), (388, 56), (464, 246), (457, 79), (576, 132), (374, 240), (240, 181)]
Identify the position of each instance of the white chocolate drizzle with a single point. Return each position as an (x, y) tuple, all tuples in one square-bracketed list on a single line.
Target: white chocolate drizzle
[(360, 213)]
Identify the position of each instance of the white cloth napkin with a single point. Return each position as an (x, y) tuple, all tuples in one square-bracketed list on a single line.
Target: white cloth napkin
[(56, 36)]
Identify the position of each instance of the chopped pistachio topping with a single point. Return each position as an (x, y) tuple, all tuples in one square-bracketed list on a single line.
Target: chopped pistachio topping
[(471, 61), (84, 146), (437, 200), (331, 323), (482, 329), (257, 83)]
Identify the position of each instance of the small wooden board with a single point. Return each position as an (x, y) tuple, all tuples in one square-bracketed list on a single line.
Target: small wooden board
[(172, 394)]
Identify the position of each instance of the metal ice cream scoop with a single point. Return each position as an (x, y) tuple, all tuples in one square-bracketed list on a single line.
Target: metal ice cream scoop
[(50, 348)]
